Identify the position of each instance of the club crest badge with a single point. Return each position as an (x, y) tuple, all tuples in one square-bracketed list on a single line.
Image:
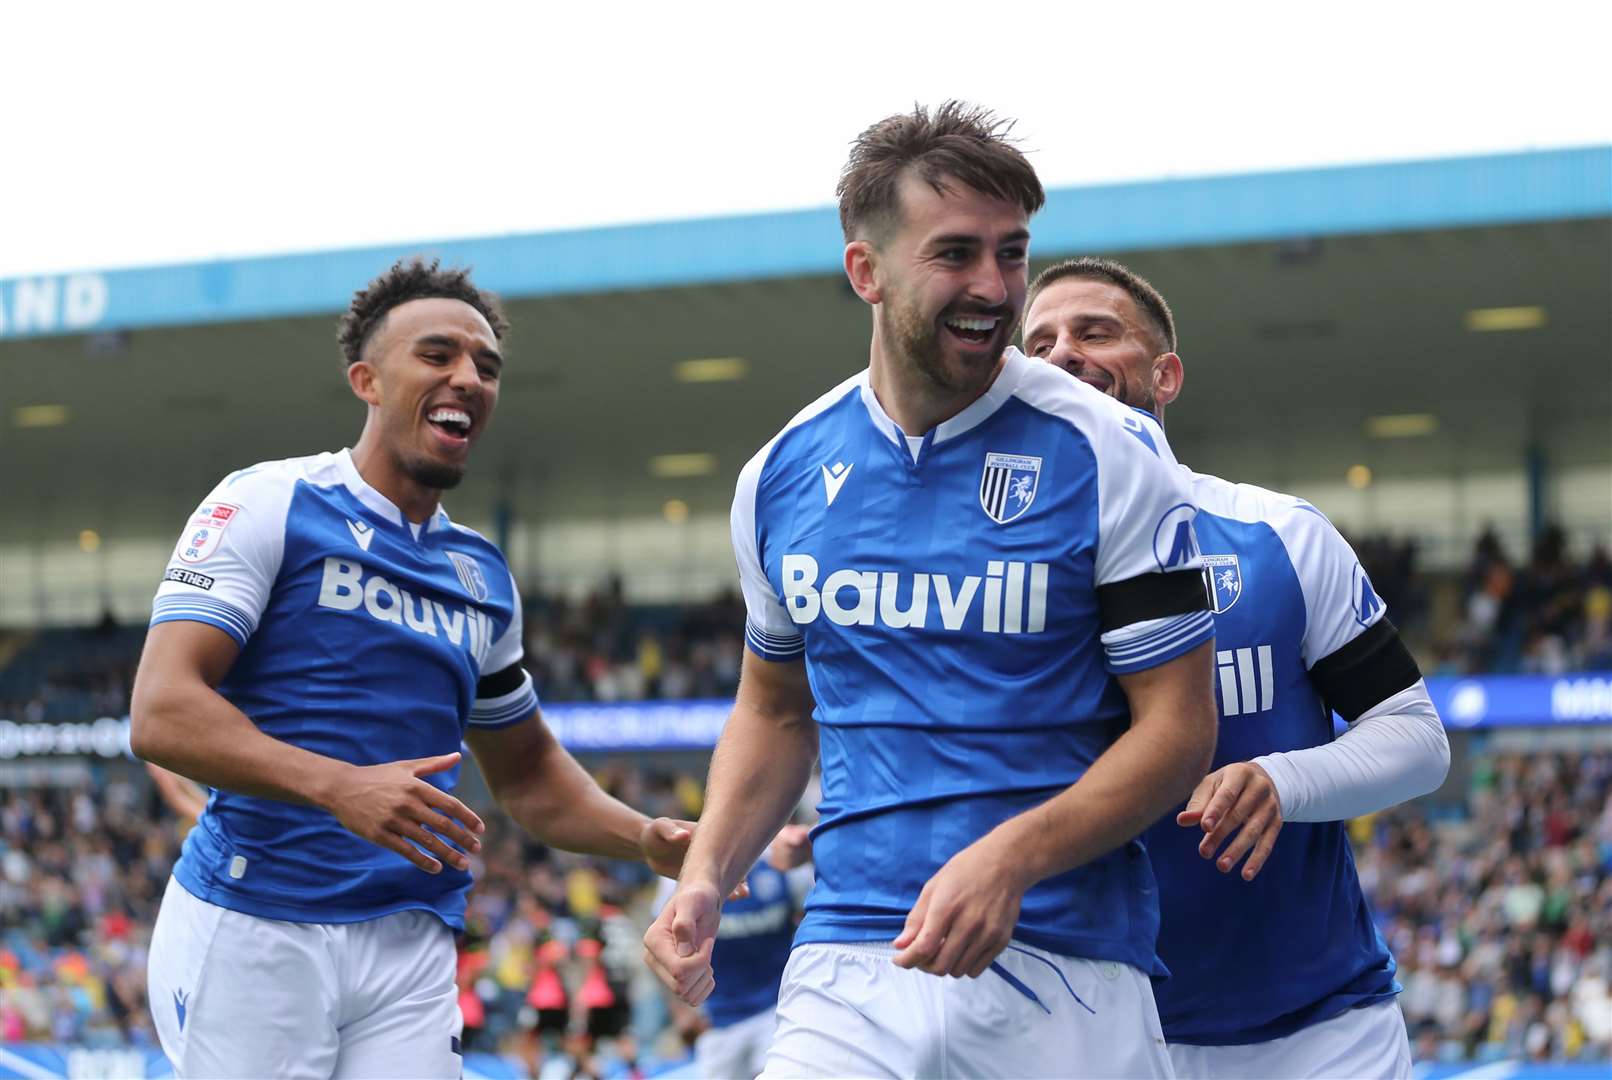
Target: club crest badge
[(469, 571), (1008, 485), (1223, 576)]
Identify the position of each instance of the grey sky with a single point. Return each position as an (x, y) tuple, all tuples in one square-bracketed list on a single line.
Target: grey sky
[(134, 138)]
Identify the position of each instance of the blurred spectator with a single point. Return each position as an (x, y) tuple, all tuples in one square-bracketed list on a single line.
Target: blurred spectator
[(1550, 617), (1502, 921)]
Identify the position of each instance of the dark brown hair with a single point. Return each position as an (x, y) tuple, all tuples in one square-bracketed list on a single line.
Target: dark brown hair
[(957, 142), (411, 279), (1149, 301)]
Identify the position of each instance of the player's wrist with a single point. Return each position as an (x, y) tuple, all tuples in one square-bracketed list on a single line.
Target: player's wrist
[(1012, 854), (322, 783)]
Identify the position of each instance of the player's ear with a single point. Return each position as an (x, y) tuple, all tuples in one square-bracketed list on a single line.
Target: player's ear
[(1168, 375), (861, 260), (365, 382)]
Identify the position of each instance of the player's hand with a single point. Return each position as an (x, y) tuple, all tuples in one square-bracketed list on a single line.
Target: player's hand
[(792, 847), (664, 842), (677, 945), (1237, 802), (391, 806), (965, 914)]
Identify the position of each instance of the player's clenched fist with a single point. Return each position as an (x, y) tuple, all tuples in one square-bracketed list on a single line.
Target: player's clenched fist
[(965, 914), (1238, 799), (677, 946), (391, 806)]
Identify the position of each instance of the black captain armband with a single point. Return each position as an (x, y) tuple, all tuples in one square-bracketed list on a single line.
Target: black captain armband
[(1366, 671), (1151, 596), (500, 683)]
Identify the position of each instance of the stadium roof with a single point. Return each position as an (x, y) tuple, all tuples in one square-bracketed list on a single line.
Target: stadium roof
[(1441, 194), (1308, 302)]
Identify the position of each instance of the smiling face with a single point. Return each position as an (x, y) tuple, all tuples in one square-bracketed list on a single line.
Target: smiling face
[(949, 282), (430, 376), (1094, 330)]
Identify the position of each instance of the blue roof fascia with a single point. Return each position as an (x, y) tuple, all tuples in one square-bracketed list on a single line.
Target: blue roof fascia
[(1447, 193)]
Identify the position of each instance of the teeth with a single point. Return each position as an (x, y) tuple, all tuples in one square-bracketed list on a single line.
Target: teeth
[(973, 324), (450, 416)]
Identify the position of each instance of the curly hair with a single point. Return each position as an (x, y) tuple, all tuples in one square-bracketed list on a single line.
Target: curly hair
[(411, 279), (957, 141)]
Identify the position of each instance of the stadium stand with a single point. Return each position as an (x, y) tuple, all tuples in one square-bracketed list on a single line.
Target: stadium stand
[(1550, 616), (1499, 908), (1309, 292)]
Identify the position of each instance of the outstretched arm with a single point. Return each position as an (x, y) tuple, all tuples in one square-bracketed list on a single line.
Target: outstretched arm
[(1395, 749), (759, 770), (541, 786)]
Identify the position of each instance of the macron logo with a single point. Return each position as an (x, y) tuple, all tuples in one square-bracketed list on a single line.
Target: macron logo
[(180, 998), (834, 479), (361, 532)]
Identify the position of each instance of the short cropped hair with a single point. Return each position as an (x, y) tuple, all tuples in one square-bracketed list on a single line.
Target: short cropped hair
[(1149, 301), (956, 142), (411, 279)]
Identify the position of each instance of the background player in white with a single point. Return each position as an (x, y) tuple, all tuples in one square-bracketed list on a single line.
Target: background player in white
[(980, 792), (1277, 970), (323, 639)]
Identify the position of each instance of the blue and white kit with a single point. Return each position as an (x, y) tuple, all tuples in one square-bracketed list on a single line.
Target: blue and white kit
[(363, 638), (963, 601), (1300, 632)]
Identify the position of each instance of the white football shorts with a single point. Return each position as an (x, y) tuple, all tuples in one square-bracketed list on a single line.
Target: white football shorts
[(735, 1052), (845, 1010), (1368, 1043), (234, 995)]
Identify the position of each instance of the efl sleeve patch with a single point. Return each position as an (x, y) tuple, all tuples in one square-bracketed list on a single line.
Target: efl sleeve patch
[(205, 530), (223, 568)]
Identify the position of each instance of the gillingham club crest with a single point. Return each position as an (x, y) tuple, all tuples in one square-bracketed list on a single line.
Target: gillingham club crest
[(1224, 577), (1008, 485), (469, 572)]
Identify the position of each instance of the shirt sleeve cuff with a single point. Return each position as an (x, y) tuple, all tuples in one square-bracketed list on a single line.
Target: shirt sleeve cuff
[(205, 609), (505, 709), (774, 647), (1152, 642)]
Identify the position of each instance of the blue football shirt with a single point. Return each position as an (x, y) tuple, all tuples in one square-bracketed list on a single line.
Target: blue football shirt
[(362, 638), (1253, 961), (963, 602)]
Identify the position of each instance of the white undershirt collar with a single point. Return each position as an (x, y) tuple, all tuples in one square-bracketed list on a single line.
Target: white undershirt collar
[(1002, 387)]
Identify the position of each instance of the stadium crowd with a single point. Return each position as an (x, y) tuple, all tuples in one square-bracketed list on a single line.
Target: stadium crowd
[(1498, 909), (1500, 916), (1548, 616)]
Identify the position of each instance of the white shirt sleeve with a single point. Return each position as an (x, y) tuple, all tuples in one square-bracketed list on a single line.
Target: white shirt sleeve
[(1339, 600), (769, 631), (1393, 752), (1145, 516), (224, 565)]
